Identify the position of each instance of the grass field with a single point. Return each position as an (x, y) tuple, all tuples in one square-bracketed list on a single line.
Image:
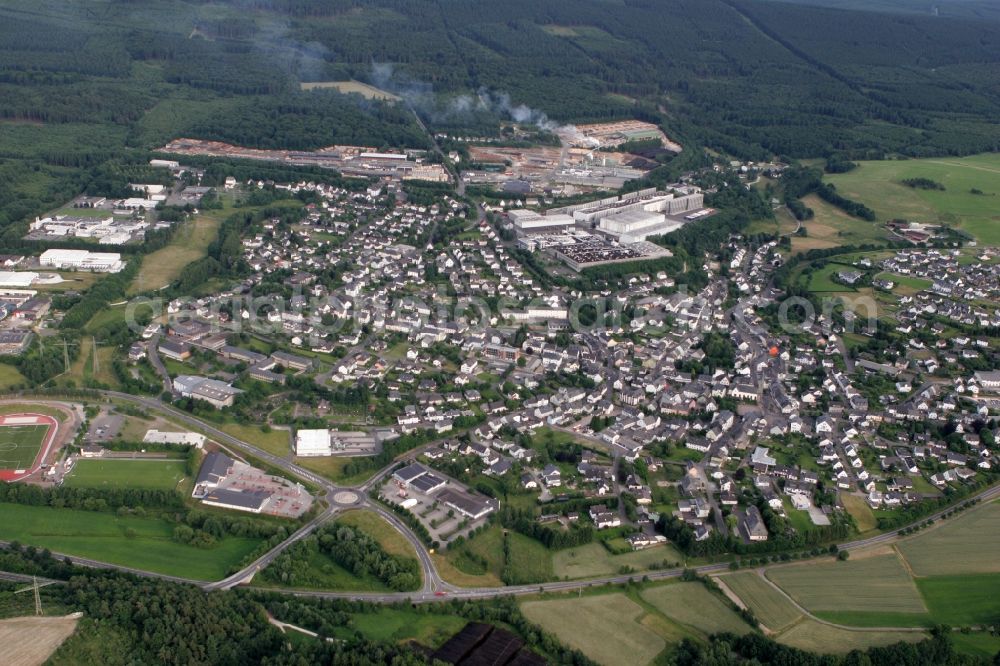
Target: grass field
[(46, 635), (879, 583), (605, 627), (816, 637), (143, 474), (878, 185), (693, 605), (276, 441), (388, 537), (769, 606), (531, 561), (860, 511), (188, 244), (143, 543), (593, 559), (977, 644), (20, 444), (822, 279), (332, 467), (831, 227), (10, 377), (965, 544), (320, 572), (389, 624)]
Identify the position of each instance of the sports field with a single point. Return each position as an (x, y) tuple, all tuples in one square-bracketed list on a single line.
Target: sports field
[(692, 604), (141, 474), (22, 438), (605, 627), (768, 605), (879, 186), (879, 583), (965, 544)]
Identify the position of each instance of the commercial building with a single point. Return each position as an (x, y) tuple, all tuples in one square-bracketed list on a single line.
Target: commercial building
[(231, 484), (82, 260), (313, 443)]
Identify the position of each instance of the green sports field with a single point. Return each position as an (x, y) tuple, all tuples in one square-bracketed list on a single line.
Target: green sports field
[(879, 186), (19, 445), (141, 474)]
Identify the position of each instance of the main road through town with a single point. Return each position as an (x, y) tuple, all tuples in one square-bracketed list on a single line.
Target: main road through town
[(433, 587)]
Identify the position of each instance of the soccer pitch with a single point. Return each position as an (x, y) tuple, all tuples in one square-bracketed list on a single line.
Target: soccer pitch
[(19, 445)]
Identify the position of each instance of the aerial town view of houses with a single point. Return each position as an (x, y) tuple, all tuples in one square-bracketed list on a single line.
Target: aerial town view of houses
[(376, 363)]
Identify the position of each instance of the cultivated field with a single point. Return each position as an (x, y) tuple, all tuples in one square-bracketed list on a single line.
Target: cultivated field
[(593, 559), (29, 641), (879, 583), (348, 87), (143, 543), (138, 473), (817, 637), (962, 600), (606, 627), (20, 444), (966, 544), (769, 606), (692, 604), (878, 185)]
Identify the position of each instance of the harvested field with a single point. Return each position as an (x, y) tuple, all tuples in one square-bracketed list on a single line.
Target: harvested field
[(966, 544), (874, 584), (816, 637), (31, 640), (604, 627), (767, 604), (692, 604)]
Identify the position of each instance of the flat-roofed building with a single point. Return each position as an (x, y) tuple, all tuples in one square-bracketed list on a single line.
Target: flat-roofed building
[(161, 437), (313, 442)]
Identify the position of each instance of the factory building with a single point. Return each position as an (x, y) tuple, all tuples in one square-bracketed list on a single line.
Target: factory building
[(82, 260), (528, 221)]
